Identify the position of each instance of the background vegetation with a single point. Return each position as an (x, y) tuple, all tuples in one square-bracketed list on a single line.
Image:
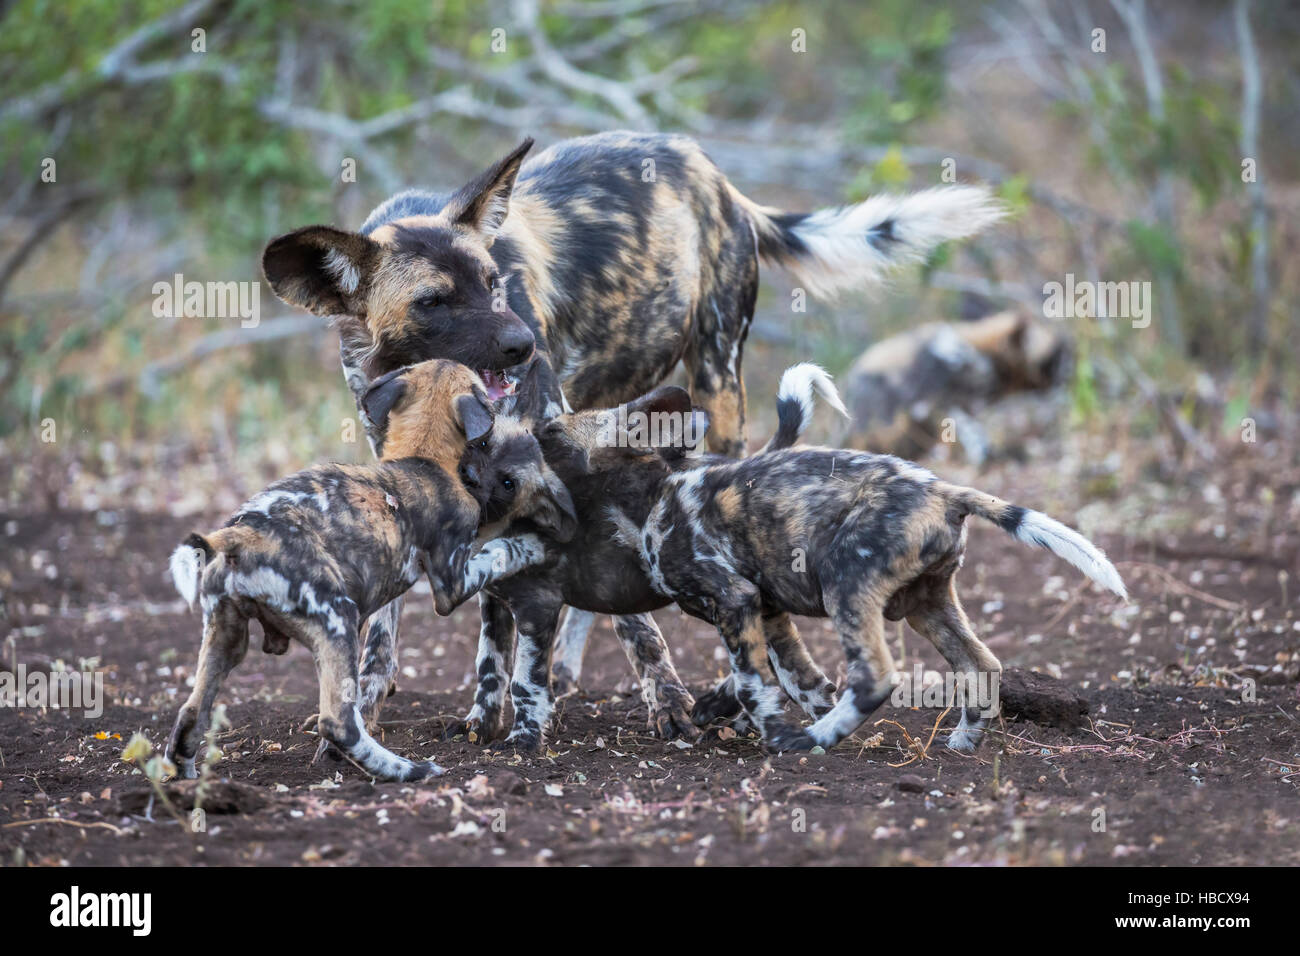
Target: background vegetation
[(183, 152)]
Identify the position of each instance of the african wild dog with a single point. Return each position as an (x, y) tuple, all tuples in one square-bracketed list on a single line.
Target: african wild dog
[(313, 555), (593, 573), (617, 256), (901, 389), (855, 537)]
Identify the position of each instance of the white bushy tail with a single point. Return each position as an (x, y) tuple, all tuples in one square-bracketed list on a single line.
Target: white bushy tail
[(1042, 531), (795, 402), (187, 564), (852, 247), (1037, 529)]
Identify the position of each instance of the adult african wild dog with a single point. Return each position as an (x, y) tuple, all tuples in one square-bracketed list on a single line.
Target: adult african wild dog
[(600, 263), (313, 555), (593, 572), (855, 537)]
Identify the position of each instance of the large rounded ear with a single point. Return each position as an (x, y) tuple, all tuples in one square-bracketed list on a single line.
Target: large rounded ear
[(483, 203), (662, 420), (384, 393), (321, 269), (664, 399), (475, 414)]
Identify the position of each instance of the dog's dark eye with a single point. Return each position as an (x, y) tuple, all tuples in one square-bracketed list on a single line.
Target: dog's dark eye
[(428, 302), (483, 443), (508, 483), (491, 279)]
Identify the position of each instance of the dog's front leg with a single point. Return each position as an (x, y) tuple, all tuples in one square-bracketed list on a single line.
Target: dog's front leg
[(496, 644), (530, 686), (379, 661), (462, 577)]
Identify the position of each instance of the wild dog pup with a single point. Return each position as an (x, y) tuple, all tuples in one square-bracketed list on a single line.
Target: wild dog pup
[(855, 537), (594, 573), (316, 553)]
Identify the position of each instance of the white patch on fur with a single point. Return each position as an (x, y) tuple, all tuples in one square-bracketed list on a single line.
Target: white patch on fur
[(308, 602), (840, 253), (1039, 530), (187, 568), (800, 382), (950, 348), (914, 472), (809, 701), (379, 761), (264, 501), (842, 720), (571, 640), (262, 584), (344, 271)]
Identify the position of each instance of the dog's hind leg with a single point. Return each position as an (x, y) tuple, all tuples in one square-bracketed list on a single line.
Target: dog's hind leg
[(719, 324), (860, 620), (719, 703), (977, 671), (668, 701), (379, 661), (570, 645), (805, 682), (225, 642), (334, 648)]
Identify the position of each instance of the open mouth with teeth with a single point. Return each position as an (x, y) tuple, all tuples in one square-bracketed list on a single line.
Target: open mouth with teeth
[(499, 384)]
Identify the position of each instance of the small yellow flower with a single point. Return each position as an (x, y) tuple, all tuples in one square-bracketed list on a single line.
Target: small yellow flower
[(137, 748)]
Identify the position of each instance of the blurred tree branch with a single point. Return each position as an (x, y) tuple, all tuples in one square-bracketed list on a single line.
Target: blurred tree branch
[(1251, 99)]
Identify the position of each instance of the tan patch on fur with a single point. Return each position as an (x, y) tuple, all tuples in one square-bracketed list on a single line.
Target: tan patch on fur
[(729, 504), (537, 229), (238, 538), (898, 352), (726, 420), (372, 509), (386, 233), (425, 422), (990, 334)]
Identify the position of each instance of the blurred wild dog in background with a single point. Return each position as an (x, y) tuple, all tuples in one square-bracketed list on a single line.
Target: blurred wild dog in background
[(901, 390)]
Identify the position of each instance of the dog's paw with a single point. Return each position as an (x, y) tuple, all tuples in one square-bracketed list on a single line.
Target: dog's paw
[(674, 722), (563, 683), (784, 737), (478, 727), (715, 705), (521, 741), (423, 770), (185, 766), (961, 741)]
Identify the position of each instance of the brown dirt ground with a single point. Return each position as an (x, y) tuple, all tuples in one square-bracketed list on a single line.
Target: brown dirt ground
[(1185, 771)]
